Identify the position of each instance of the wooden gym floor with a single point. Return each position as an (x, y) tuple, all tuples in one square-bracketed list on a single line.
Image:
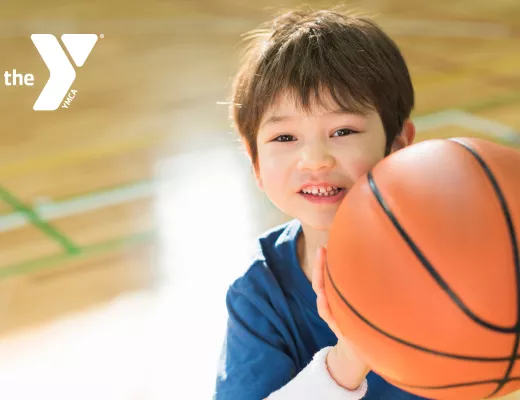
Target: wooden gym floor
[(124, 218)]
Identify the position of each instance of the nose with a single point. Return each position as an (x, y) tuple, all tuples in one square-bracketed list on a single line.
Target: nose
[(315, 157)]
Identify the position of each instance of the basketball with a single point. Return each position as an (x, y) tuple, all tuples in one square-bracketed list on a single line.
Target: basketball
[(423, 270)]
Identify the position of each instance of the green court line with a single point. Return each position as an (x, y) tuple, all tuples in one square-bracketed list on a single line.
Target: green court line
[(44, 226), (85, 252)]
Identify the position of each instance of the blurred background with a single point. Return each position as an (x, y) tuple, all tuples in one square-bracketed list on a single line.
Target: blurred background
[(124, 218)]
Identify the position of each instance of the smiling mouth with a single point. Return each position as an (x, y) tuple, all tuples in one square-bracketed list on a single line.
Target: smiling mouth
[(329, 191)]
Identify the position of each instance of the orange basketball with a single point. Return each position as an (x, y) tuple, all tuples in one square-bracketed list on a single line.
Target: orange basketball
[(424, 269)]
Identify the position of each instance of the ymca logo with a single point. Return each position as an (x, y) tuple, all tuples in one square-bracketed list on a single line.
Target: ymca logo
[(62, 72)]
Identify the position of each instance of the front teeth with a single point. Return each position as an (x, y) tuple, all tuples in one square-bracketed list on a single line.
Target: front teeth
[(321, 191)]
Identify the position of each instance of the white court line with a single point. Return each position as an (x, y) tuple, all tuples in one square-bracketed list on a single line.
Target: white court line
[(469, 121), (438, 120), (91, 202), (12, 221), (494, 128), (53, 210)]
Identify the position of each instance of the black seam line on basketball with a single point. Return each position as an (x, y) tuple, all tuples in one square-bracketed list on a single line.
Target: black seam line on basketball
[(451, 386), (405, 342), (429, 267), (516, 255)]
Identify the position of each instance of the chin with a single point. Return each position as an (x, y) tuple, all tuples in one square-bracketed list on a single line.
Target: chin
[(321, 223)]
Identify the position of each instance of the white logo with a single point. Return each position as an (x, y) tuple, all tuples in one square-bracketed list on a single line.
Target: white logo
[(62, 73)]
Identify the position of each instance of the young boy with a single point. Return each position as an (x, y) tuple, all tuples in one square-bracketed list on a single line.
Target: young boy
[(320, 99)]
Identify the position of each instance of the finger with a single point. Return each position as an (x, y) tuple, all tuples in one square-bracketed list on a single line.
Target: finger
[(326, 315), (319, 286), (317, 272)]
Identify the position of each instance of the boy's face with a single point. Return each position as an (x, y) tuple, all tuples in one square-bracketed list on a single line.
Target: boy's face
[(308, 161)]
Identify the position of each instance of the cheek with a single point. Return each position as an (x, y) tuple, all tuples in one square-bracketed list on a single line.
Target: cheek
[(269, 179), (367, 156), (273, 173), (362, 167), (359, 165)]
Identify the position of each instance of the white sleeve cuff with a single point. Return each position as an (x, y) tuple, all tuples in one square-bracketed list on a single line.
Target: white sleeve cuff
[(314, 382)]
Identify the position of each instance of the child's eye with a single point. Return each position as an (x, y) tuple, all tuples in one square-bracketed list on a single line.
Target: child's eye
[(343, 132), (284, 138)]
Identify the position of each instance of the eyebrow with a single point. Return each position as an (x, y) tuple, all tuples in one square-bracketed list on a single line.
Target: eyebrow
[(340, 111), (275, 119)]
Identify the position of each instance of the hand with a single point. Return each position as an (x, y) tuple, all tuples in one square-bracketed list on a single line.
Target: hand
[(344, 365)]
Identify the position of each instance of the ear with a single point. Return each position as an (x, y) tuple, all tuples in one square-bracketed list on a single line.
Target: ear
[(258, 177), (254, 165), (406, 137)]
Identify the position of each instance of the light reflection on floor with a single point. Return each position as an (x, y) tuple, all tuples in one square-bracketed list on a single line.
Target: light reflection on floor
[(163, 343)]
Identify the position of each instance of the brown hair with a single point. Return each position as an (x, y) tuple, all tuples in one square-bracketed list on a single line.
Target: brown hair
[(305, 52)]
